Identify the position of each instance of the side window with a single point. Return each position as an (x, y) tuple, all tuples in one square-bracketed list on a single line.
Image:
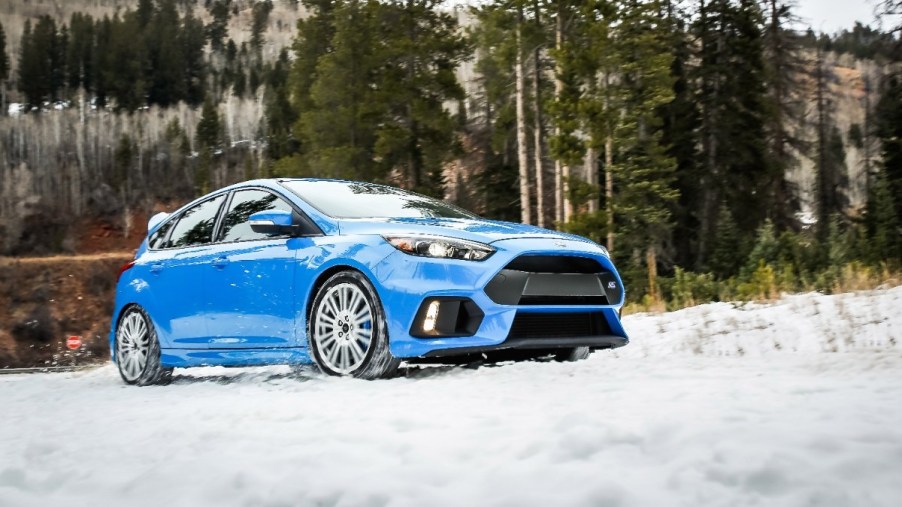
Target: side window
[(235, 226), (195, 226), (157, 238)]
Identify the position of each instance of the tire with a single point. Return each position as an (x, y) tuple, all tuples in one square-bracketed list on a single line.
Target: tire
[(346, 329), (574, 354), (138, 350)]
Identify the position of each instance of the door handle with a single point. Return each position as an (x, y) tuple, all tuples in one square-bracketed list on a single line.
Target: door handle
[(220, 262), (156, 268)]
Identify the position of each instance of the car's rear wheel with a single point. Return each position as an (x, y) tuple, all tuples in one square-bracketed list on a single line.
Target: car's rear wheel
[(347, 331), (138, 350), (574, 354)]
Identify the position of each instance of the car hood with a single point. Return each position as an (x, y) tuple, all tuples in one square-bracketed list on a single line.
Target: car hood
[(484, 231)]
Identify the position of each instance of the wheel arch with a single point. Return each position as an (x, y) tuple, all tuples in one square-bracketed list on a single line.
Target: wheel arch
[(321, 280)]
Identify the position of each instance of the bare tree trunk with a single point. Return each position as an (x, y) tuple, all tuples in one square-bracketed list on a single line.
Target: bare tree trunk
[(651, 261), (538, 152), (522, 149), (537, 140), (558, 89), (609, 188), (592, 174)]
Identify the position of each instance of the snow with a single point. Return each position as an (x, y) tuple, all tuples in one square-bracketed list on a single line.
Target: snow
[(798, 402)]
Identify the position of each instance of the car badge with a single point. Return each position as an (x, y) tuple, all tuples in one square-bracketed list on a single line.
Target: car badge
[(560, 244)]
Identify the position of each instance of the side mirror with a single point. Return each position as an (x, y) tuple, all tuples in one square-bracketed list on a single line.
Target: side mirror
[(275, 222)]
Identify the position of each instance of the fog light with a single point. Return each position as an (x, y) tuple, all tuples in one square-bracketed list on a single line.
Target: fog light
[(431, 317)]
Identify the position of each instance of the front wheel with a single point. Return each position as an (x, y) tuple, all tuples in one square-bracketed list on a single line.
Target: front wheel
[(347, 331), (138, 350)]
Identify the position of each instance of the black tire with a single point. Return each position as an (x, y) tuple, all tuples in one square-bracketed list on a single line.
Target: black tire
[(574, 354), (374, 362), (145, 372)]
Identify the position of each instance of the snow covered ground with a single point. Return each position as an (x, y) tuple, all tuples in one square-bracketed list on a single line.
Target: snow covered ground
[(793, 403)]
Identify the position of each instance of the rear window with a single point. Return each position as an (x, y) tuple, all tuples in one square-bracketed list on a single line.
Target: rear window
[(195, 225), (347, 199)]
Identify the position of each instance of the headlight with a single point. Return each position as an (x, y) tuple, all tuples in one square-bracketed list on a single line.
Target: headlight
[(441, 247)]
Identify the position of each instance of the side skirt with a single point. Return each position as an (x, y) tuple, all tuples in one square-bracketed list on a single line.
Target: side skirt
[(190, 358)]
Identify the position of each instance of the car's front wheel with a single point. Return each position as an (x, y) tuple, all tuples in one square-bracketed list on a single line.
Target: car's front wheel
[(347, 331), (138, 350)]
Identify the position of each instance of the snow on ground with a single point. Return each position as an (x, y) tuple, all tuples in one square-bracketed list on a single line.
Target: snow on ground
[(793, 403)]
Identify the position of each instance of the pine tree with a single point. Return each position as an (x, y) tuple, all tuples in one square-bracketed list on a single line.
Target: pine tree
[(736, 167), (259, 19), (217, 29), (680, 133), (889, 130), (40, 61), (337, 130), (80, 52), (4, 70), (884, 229), (208, 138), (420, 49), (784, 66), (644, 187)]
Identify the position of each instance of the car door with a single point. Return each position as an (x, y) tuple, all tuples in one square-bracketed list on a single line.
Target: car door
[(252, 283), (178, 264)]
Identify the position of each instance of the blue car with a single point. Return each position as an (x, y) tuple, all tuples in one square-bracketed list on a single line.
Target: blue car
[(354, 278)]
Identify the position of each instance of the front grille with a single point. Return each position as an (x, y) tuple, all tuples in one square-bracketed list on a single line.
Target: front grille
[(554, 280), (559, 325)]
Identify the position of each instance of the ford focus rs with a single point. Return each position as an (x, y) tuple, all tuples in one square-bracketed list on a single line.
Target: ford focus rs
[(354, 278)]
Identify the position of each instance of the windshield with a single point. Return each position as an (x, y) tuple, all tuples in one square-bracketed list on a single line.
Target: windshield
[(349, 199)]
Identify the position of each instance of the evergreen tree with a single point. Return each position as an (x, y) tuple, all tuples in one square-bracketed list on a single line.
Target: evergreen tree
[(420, 50), (733, 103), (259, 19), (680, 133), (208, 138), (884, 229), (279, 114), (41, 63), (373, 105), (217, 29), (644, 187), (192, 41), (123, 65), (314, 38), (784, 67), (4, 70), (337, 132), (80, 52), (889, 131), (4, 58)]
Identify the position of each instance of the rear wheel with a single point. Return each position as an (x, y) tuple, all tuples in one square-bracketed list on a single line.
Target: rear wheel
[(347, 331), (138, 350), (574, 354)]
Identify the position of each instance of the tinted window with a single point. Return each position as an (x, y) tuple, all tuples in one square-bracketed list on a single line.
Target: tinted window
[(235, 226), (157, 238), (346, 199), (195, 226)]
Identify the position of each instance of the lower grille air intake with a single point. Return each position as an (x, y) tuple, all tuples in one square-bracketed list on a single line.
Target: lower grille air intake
[(559, 325)]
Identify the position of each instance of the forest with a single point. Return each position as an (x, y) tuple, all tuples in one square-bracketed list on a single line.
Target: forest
[(719, 149)]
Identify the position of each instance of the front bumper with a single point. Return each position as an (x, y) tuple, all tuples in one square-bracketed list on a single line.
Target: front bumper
[(404, 282)]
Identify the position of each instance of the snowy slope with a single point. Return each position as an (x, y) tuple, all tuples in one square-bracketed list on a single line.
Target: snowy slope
[(794, 403)]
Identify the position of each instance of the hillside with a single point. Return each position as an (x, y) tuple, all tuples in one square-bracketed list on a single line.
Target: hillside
[(43, 300)]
